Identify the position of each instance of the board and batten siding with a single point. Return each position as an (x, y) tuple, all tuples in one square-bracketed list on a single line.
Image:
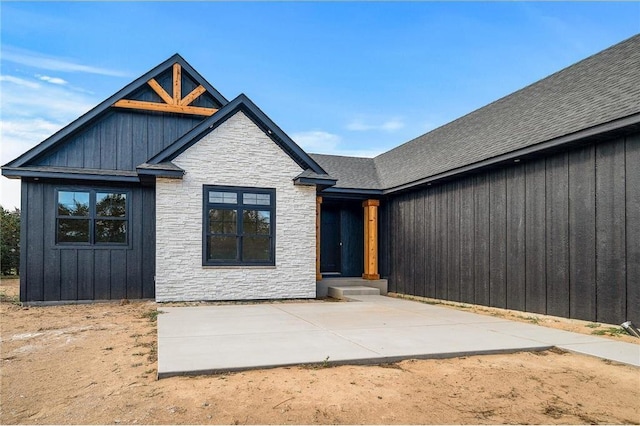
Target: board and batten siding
[(119, 140), (51, 273), (558, 235), (236, 153)]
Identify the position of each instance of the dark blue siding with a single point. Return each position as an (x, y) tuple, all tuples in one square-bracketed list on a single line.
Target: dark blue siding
[(58, 273), (120, 140), (555, 235)]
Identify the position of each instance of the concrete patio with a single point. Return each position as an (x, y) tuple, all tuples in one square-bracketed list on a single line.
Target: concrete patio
[(370, 329)]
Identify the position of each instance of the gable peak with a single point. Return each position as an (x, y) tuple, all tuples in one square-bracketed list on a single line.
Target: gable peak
[(172, 100)]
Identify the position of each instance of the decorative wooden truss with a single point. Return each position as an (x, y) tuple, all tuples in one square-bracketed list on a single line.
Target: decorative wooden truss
[(175, 103)]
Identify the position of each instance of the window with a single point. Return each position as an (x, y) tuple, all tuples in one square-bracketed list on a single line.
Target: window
[(238, 226), (91, 217)]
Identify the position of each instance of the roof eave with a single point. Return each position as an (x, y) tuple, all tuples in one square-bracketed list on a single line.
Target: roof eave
[(310, 181), (18, 173), (605, 130), (353, 191)]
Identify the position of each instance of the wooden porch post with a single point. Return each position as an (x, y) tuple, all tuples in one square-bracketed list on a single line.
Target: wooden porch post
[(318, 204), (371, 240)]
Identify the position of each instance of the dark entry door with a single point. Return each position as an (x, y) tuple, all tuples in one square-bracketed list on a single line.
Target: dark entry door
[(330, 245)]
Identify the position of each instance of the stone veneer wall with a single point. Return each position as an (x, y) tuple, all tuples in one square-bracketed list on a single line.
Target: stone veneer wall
[(237, 153)]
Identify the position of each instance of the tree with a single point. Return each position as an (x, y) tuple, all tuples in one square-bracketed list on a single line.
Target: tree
[(10, 241)]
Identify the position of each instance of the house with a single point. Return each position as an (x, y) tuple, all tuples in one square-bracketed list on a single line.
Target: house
[(169, 190)]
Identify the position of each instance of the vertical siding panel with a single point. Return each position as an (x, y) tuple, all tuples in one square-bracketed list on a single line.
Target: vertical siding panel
[(102, 282), (155, 134), (633, 228), (392, 208), (59, 156), (52, 275), (453, 226), (24, 238), (134, 273), (432, 243), (69, 274), (481, 240), (139, 136), (91, 148), (582, 217), (85, 274), (172, 130), (124, 143), (557, 236), (442, 244), (35, 241), (405, 244), (383, 239), (149, 242), (497, 240), (51, 256), (467, 242), (118, 272), (75, 154), (399, 245), (610, 228), (535, 230), (516, 238), (420, 276), (134, 256), (108, 151), (410, 238)]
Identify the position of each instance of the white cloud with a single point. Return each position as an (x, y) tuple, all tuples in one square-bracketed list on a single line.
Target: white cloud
[(26, 132), (393, 124), (52, 80), (31, 112), (22, 98), (18, 137), (390, 125), (45, 62), (321, 142), (19, 81), (317, 141)]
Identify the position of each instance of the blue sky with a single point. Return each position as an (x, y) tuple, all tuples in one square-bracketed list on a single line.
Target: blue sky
[(345, 78)]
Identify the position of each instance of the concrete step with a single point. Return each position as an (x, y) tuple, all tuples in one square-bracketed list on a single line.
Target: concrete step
[(343, 292)]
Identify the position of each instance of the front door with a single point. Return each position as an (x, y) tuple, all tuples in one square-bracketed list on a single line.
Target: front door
[(330, 243)]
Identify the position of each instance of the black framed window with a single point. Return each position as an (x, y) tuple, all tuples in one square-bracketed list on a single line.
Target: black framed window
[(91, 217), (239, 226)]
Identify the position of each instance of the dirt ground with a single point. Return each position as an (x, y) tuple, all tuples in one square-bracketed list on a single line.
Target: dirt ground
[(88, 364)]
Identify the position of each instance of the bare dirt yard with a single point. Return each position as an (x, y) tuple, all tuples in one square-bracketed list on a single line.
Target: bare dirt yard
[(88, 364)]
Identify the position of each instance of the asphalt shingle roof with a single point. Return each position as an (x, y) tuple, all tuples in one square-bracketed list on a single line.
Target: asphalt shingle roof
[(594, 91), (351, 172)]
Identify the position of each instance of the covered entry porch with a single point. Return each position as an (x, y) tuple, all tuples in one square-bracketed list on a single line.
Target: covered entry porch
[(347, 243)]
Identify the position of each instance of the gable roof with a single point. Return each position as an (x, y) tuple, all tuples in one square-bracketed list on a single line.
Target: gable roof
[(244, 104), (601, 90), (597, 96), (53, 141)]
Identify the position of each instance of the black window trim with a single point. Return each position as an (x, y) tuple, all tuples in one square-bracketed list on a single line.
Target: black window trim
[(239, 190), (93, 217)]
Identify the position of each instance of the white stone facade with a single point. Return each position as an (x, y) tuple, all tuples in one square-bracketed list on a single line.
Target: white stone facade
[(237, 153)]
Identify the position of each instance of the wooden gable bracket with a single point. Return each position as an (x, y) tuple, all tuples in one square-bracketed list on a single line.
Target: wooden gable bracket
[(173, 103)]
